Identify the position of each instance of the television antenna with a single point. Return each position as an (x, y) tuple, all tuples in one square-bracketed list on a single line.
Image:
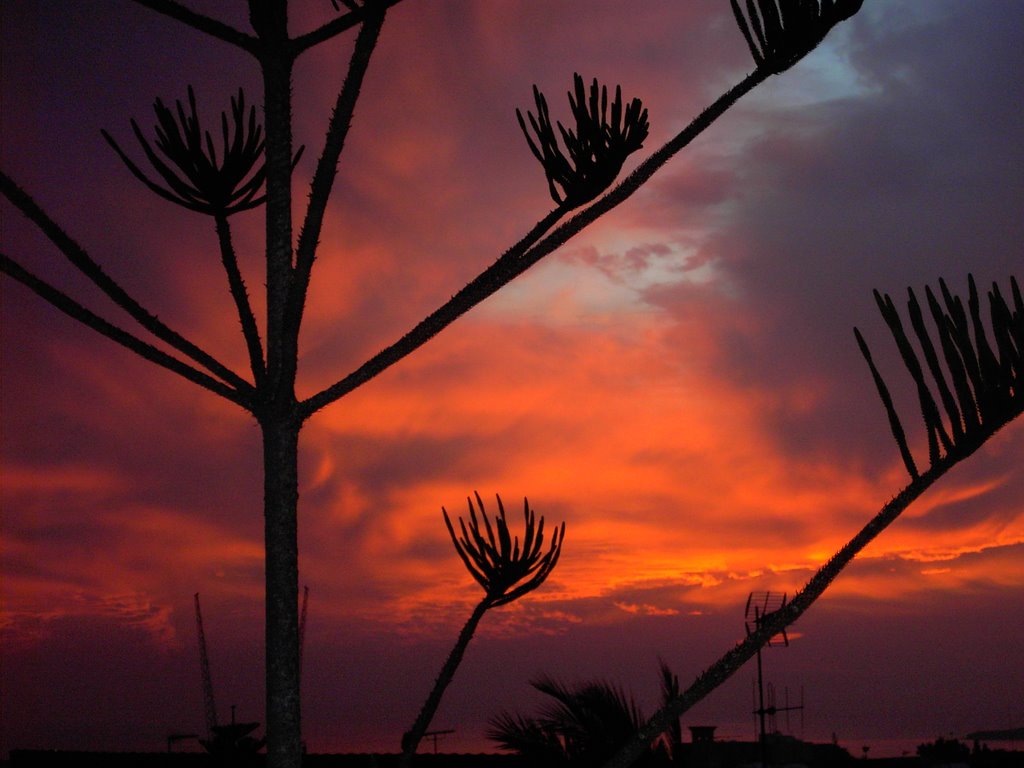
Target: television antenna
[(434, 735), (760, 606), (772, 710)]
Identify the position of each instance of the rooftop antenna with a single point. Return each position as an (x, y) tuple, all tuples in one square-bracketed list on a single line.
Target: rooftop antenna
[(435, 734), (794, 708), (760, 606)]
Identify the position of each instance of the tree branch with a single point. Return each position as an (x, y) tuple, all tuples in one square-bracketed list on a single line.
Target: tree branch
[(303, 43), (241, 297), (88, 267), (731, 662), (327, 167), (205, 24), (525, 253), (482, 286), (775, 622), (412, 738), (73, 309)]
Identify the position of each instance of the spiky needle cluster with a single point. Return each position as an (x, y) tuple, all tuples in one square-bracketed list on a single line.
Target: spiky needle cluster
[(496, 560), (980, 388), (781, 32), (192, 175), (597, 148)]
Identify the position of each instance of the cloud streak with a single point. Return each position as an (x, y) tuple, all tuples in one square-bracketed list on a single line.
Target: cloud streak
[(679, 384)]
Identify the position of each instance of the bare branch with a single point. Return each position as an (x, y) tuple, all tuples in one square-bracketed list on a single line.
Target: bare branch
[(205, 24), (335, 27), (73, 309), (88, 267), (486, 283), (526, 253), (731, 662), (327, 167), (1004, 385), (241, 296)]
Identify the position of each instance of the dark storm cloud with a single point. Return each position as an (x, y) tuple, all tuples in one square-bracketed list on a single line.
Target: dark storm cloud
[(917, 177)]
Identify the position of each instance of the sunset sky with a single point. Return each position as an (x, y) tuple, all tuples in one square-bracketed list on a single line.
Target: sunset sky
[(680, 383)]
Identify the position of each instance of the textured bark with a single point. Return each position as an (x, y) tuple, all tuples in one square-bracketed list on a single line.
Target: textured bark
[(281, 498), (276, 410), (412, 739)]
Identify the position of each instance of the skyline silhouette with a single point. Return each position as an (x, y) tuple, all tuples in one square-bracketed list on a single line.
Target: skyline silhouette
[(681, 386)]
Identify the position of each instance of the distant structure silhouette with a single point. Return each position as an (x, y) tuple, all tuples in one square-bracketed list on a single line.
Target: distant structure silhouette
[(231, 743), (243, 163), (505, 570)]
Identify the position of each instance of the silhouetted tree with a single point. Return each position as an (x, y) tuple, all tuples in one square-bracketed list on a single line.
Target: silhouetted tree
[(506, 572), (253, 167), (981, 387)]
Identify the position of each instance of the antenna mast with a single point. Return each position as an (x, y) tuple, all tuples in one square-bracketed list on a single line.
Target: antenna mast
[(761, 605), (204, 667)]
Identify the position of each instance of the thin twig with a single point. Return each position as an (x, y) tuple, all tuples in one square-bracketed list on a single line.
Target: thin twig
[(205, 24), (88, 267), (335, 27), (525, 254), (241, 296), (327, 167), (73, 309), (482, 286), (894, 420), (411, 740)]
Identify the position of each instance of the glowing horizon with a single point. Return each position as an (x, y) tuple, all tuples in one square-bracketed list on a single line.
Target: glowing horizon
[(679, 384)]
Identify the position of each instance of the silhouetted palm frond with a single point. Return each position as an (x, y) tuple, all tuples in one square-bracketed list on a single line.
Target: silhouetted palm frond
[(672, 739), (497, 562), (583, 725), (597, 148), (781, 32), (527, 737), (192, 175), (978, 384)]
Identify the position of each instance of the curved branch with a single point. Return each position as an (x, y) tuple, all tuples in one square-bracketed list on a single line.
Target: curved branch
[(241, 296), (204, 24), (775, 622), (333, 28), (412, 738), (88, 267), (529, 251), (73, 309), (327, 167), (486, 283)]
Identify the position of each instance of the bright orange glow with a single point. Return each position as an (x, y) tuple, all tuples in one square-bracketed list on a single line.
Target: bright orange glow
[(679, 384)]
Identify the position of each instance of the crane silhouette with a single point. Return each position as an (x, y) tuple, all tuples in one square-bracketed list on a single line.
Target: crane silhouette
[(232, 741)]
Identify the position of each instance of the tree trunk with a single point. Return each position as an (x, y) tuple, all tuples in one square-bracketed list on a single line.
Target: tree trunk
[(411, 740), (281, 497), (277, 411)]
